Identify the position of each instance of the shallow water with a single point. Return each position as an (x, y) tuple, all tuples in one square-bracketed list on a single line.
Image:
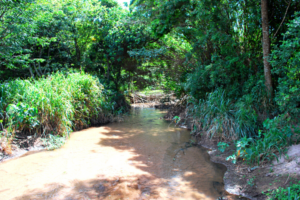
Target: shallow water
[(140, 158)]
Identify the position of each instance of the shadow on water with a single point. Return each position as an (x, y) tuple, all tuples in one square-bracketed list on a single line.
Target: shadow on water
[(140, 158), (161, 149)]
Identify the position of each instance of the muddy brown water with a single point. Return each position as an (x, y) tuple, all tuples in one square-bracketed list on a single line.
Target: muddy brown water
[(139, 158)]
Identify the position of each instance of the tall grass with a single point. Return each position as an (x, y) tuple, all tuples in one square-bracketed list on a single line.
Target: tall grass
[(219, 116), (64, 103)]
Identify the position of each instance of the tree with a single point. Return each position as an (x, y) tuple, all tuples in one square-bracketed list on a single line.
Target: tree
[(16, 27), (266, 46)]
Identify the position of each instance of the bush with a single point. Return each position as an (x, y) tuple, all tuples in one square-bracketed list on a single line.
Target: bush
[(220, 117), (273, 140), (289, 193), (286, 65), (222, 146), (63, 103)]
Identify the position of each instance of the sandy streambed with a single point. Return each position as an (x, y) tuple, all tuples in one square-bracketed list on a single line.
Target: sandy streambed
[(140, 158)]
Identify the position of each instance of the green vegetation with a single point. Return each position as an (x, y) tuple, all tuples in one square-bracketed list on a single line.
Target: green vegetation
[(53, 141), (68, 64), (276, 137), (289, 193), (151, 92), (250, 181), (219, 116), (236, 61), (222, 146), (56, 104)]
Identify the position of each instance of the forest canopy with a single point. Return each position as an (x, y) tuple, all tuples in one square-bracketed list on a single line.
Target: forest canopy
[(245, 51)]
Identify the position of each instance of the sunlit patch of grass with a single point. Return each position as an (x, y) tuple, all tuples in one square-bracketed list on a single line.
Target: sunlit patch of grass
[(151, 92), (63, 102)]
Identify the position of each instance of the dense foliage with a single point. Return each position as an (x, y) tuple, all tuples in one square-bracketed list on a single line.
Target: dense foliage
[(56, 104), (286, 65), (243, 81)]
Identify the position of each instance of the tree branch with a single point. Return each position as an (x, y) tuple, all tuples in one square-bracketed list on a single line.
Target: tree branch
[(282, 19)]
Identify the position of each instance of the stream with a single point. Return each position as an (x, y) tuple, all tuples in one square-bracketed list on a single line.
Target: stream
[(142, 157)]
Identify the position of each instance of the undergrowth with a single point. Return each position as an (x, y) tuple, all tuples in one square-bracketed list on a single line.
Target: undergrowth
[(53, 141), (55, 105), (289, 193), (272, 141), (218, 116)]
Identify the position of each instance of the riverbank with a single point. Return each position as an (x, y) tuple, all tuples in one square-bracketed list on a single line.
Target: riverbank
[(23, 144), (253, 182), (142, 157), (20, 146)]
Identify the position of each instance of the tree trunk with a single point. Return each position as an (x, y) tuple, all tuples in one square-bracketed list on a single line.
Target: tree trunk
[(266, 45), (78, 53)]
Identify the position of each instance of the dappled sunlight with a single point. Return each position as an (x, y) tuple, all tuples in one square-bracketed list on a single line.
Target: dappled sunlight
[(118, 161)]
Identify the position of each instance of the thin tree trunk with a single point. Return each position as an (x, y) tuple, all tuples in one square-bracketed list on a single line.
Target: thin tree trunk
[(38, 73), (107, 72), (266, 45), (78, 53), (30, 70)]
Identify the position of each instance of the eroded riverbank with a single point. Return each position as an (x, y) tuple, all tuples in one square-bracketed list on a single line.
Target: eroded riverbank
[(134, 159), (250, 181)]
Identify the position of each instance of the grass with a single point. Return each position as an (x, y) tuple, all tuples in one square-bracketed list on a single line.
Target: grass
[(218, 116), (289, 193), (63, 102), (151, 92)]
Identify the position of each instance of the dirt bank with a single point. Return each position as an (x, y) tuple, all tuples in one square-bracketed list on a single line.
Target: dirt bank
[(253, 182), (20, 145)]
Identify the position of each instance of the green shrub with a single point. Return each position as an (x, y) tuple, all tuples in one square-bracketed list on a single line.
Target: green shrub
[(218, 116), (286, 65), (64, 103), (241, 146), (289, 193), (21, 117), (274, 139), (222, 146)]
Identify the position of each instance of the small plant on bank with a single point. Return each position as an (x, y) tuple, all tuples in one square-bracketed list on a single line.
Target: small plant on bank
[(176, 119), (21, 117), (250, 181), (53, 141), (1, 128), (222, 146), (270, 142), (241, 147), (289, 193)]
